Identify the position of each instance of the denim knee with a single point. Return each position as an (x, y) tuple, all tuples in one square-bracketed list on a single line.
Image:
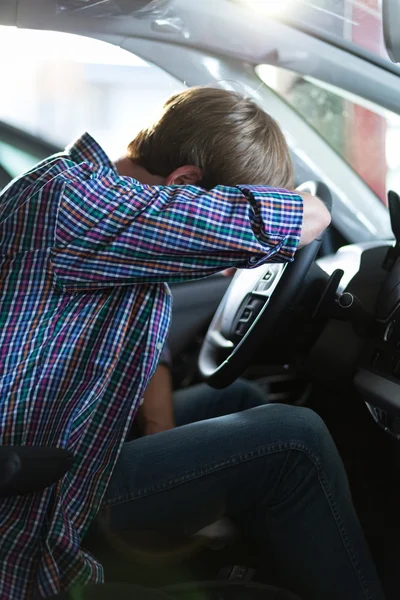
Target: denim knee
[(315, 435), (297, 427)]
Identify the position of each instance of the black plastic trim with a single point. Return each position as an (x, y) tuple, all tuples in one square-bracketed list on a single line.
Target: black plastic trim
[(26, 141), (378, 391)]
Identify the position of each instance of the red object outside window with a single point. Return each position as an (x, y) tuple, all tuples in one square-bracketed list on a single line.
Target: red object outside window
[(366, 137)]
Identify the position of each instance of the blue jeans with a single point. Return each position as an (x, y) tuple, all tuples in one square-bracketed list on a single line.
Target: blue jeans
[(274, 469)]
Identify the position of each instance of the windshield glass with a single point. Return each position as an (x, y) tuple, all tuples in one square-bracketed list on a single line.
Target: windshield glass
[(364, 134), (356, 21)]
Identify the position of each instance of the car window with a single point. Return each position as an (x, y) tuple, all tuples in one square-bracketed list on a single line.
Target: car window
[(365, 135), (60, 85)]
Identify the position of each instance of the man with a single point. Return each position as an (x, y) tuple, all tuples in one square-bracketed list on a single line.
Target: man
[(86, 246)]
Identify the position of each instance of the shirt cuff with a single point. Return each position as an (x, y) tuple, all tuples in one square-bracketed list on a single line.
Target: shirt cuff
[(277, 220)]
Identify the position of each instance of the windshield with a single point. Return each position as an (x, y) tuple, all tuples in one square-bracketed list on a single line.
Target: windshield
[(364, 134), (358, 22)]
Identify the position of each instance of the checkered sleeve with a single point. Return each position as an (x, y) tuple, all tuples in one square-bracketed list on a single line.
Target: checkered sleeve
[(113, 230)]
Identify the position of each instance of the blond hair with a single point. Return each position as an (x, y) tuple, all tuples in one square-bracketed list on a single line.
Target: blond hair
[(229, 137)]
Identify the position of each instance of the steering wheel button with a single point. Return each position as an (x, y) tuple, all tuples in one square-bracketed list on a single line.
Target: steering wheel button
[(262, 285), (268, 275), (240, 329), (246, 316)]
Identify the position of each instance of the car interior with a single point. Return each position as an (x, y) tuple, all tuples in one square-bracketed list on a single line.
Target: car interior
[(321, 332)]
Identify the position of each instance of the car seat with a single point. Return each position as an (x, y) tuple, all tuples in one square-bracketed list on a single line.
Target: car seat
[(27, 469)]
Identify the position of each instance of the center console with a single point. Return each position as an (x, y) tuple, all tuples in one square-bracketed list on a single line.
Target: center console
[(365, 347), (378, 372)]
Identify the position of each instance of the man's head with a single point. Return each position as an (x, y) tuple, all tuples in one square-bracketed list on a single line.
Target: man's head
[(209, 136)]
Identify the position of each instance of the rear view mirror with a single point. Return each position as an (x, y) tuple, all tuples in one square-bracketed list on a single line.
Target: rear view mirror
[(391, 28)]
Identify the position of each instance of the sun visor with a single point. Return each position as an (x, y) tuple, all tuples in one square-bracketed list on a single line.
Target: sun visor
[(391, 28), (115, 8)]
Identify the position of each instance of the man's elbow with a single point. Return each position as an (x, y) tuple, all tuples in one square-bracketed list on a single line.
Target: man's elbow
[(316, 219), (322, 219)]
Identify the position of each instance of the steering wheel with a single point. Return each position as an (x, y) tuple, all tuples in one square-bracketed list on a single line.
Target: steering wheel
[(253, 307)]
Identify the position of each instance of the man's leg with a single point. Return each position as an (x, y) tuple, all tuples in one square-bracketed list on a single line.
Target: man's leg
[(276, 470), (201, 402)]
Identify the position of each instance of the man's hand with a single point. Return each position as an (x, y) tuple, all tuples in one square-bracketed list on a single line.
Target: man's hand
[(157, 412), (316, 218)]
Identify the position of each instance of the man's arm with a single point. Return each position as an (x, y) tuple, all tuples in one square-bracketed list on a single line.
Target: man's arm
[(316, 218), (112, 230), (157, 412)]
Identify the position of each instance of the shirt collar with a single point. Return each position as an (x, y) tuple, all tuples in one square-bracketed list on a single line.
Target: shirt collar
[(86, 149)]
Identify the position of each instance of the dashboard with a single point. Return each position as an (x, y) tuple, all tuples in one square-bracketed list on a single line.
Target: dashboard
[(364, 347)]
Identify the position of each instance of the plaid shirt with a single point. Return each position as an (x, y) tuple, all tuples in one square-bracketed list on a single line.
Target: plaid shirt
[(84, 316)]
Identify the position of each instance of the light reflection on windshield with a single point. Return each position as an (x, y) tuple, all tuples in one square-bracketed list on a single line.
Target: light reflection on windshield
[(355, 21)]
